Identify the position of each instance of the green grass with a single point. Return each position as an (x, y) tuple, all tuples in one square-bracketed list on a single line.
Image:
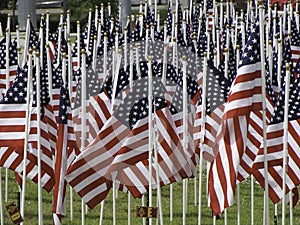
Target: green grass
[(92, 216)]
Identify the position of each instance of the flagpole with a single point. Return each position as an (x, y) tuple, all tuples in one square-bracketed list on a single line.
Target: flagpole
[(59, 43), (26, 40), (155, 140), (203, 114), (101, 212), (185, 134), (105, 56), (99, 30), (196, 62), (7, 86), (39, 153), (279, 61), (263, 80), (285, 140), (23, 190), (70, 66), (291, 207), (1, 199), (150, 134), (238, 184), (78, 44), (129, 209), (147, 41), (125, 47), (89, 28), (226, 53), (96, 14), (137, 59), (131, 61), (83, 119), (94, 61)]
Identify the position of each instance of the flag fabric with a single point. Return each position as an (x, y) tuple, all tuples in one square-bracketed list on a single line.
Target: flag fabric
[(255, 131), (275, 145), (16, 99), (87, 174), (13, 112), (65, 153), (244, 97), (217, 89), (13, 63), (295, 42), (93, 89)]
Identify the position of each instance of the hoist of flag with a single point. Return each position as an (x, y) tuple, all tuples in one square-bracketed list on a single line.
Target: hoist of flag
[(244, 97), (275, 145), (66, 144)]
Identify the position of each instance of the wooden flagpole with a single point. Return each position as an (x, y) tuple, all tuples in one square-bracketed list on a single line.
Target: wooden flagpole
[(27, 35), (155, 140), (238, 185), (96, 15), (125, 47), (105, 56), (83, 120), (27, 125), (263, 80), (185, 135), (99, 31), (39, 150), (7, 69), (203, 113), (70, 66), (150, 134), (285, 141)]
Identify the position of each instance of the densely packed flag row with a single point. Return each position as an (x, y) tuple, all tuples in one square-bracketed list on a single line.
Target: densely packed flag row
[(223, 85)]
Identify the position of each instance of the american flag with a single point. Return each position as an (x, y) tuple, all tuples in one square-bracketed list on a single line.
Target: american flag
[(244, 97), (48, 132), (295, 42), (13, 112), (135, 146), (93, 89), (65, 153), (16, 99), (275, 145), (255, 130), (87, 175), (217, 89), (13, 63), (132, 162)]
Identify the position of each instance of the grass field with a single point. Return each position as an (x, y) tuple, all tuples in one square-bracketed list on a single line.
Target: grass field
[(92, 216)]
